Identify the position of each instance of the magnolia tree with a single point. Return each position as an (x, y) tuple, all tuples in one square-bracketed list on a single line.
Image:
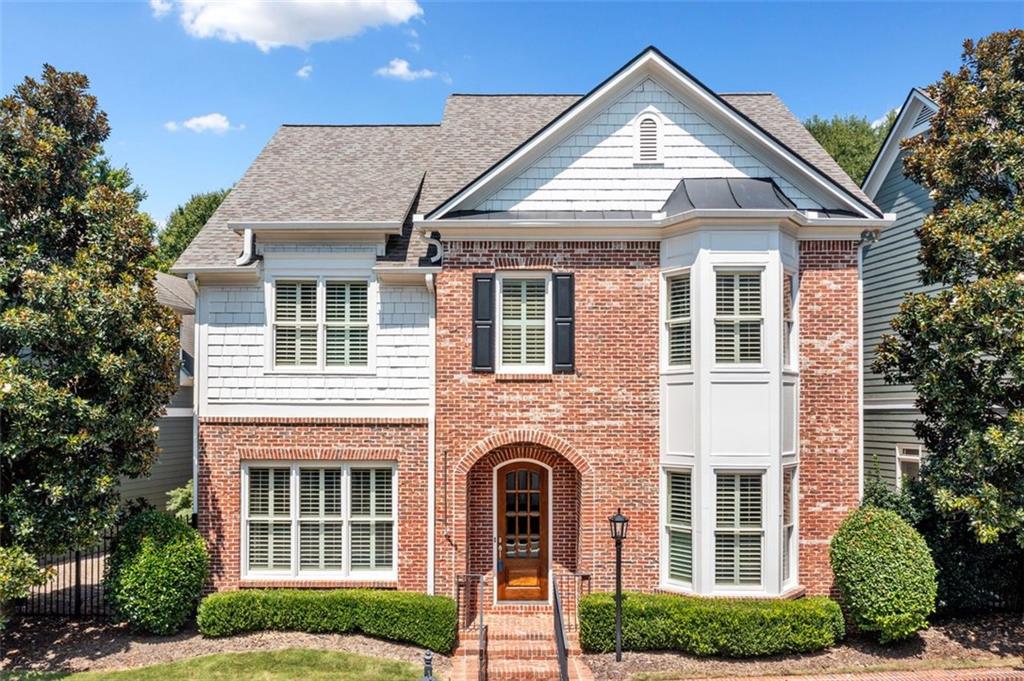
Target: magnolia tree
[(962, 345), (88, 358)]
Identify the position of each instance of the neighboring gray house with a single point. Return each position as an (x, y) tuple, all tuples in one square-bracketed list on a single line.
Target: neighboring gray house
[(891, 269), (174, 467)]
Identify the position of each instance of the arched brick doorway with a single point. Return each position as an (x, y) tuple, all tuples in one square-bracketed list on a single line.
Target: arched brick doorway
[(530, 498)]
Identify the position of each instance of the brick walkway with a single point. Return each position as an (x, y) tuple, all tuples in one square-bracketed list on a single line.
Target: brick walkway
[(922, 675)]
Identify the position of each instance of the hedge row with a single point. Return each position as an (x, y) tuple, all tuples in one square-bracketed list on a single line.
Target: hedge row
[(706, 626), (428, 621)]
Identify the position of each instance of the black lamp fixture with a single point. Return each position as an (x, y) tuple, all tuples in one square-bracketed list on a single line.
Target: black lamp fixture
[(618, 524)]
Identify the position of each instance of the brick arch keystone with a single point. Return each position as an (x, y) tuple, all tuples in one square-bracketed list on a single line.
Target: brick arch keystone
[(522, 436)]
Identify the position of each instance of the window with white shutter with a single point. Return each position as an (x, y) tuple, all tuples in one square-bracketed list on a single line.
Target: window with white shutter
[(738, 317), (788, 326), (789, 500), (524, 318), (677, 319), (319, 521), (295, 323), (908, 463), (373, 519), (739, 530), (679, 526), (269, 519), (321, 324)]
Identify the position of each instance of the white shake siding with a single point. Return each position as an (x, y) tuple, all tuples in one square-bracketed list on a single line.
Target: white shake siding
[(594, 169)]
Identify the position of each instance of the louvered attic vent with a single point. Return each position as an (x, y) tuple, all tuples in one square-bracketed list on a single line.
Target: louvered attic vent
[(647, 144), (924, 116)]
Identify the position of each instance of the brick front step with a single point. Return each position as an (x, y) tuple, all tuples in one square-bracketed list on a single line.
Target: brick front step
[(522, 670), (519, 646)]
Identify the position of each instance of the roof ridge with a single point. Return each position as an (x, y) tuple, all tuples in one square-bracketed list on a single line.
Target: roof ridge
[(750, 93)]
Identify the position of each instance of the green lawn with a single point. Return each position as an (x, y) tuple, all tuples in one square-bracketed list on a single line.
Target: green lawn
[(281, 665)]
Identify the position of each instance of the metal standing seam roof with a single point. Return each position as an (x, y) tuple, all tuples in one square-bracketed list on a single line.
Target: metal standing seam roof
[(389, 172)]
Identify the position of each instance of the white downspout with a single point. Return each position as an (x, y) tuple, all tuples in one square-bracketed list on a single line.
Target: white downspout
[(431, 456), (248, 248)]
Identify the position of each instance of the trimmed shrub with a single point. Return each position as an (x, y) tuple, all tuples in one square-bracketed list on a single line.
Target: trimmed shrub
[(884, 572), (156, 572), (710, 626), (428, 621)]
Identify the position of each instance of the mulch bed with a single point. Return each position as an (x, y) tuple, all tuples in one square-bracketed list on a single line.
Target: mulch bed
[(989, 640), (56, 645)]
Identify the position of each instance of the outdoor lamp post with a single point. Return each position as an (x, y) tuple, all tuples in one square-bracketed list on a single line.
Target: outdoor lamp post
[(618, 524)]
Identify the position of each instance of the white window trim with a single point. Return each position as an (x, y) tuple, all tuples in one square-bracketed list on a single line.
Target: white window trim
[(666, 278), (500, 366), (295, 573), (907, 452), (794, 333), (667, 582), (794, 552), (649, 114), (372, 318), (738, 367), (746, 589)]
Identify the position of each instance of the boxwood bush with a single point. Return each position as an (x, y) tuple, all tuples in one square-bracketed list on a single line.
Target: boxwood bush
[(884, 572), (155, 572), (428, 621), (710, 626)]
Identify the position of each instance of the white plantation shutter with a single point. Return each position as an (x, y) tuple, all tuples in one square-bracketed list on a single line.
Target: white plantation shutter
[(679, 526), (372, 518), (789, 497), (738, 529), (678, 320), (788, 303), (738, 317), (347, 334), (320, 524), (647, 142), (269, 521), (295, 323), (523, 322)]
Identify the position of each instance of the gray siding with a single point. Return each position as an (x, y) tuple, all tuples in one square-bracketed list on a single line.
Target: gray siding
[(182, 398), (172, 469), (890, 270), (883, 430)]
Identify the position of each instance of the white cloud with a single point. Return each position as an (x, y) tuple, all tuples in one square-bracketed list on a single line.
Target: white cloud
[(160, 7), (879, 122), (216, 123), (305, 72), (298, 23), (414, 44), (399, 68)]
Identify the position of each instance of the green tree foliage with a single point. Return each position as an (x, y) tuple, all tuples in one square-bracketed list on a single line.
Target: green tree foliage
[(179, 502), (852, 140), (962, 347), (88, 358), (19, 572), (182, 226)]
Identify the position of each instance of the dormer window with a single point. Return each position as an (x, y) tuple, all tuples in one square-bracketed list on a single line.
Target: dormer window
[(648, 140)]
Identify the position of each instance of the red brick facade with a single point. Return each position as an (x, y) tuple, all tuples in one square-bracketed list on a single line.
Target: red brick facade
[(225, 443), (597, 428), (829, 316)]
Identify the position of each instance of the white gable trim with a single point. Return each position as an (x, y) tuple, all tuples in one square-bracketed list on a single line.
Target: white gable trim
[(651, 64), (902, 129)]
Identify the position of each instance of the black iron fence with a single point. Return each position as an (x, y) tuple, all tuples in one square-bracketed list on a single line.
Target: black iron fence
[(76, 587)]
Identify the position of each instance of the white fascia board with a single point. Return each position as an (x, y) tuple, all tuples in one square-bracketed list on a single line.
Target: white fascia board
[(901, 129), (318, 409), (806, 226), (404, 275), (649, 64), (291, 226)]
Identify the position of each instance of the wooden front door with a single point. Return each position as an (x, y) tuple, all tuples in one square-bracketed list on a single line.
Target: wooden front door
[(522, 503)]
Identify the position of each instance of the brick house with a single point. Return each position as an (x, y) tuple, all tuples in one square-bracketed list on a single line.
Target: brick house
[(457, 348)]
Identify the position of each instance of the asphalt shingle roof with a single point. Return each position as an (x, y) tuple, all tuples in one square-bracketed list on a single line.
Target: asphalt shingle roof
[(388, 172)]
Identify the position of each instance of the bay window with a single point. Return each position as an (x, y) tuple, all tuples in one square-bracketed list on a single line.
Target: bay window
[(679, 526), (314, 520), (739, 530), (738, 317), (678, 320)]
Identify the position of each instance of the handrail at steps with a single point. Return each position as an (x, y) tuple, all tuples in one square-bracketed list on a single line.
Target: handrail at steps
[(560, 644)]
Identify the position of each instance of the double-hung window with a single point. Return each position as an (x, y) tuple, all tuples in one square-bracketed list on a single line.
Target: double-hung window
[(788, 325), (678, 320), (679, 526), (525, 323), (321, 324), (738, 317), (739, 529), (789, 501), (311, 520), (908, 463)]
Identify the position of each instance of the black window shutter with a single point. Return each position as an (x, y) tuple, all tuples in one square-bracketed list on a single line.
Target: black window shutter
[(564, 336), (483, 322)]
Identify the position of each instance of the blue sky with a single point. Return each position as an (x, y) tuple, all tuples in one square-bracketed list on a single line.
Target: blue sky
[(163, 69)]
